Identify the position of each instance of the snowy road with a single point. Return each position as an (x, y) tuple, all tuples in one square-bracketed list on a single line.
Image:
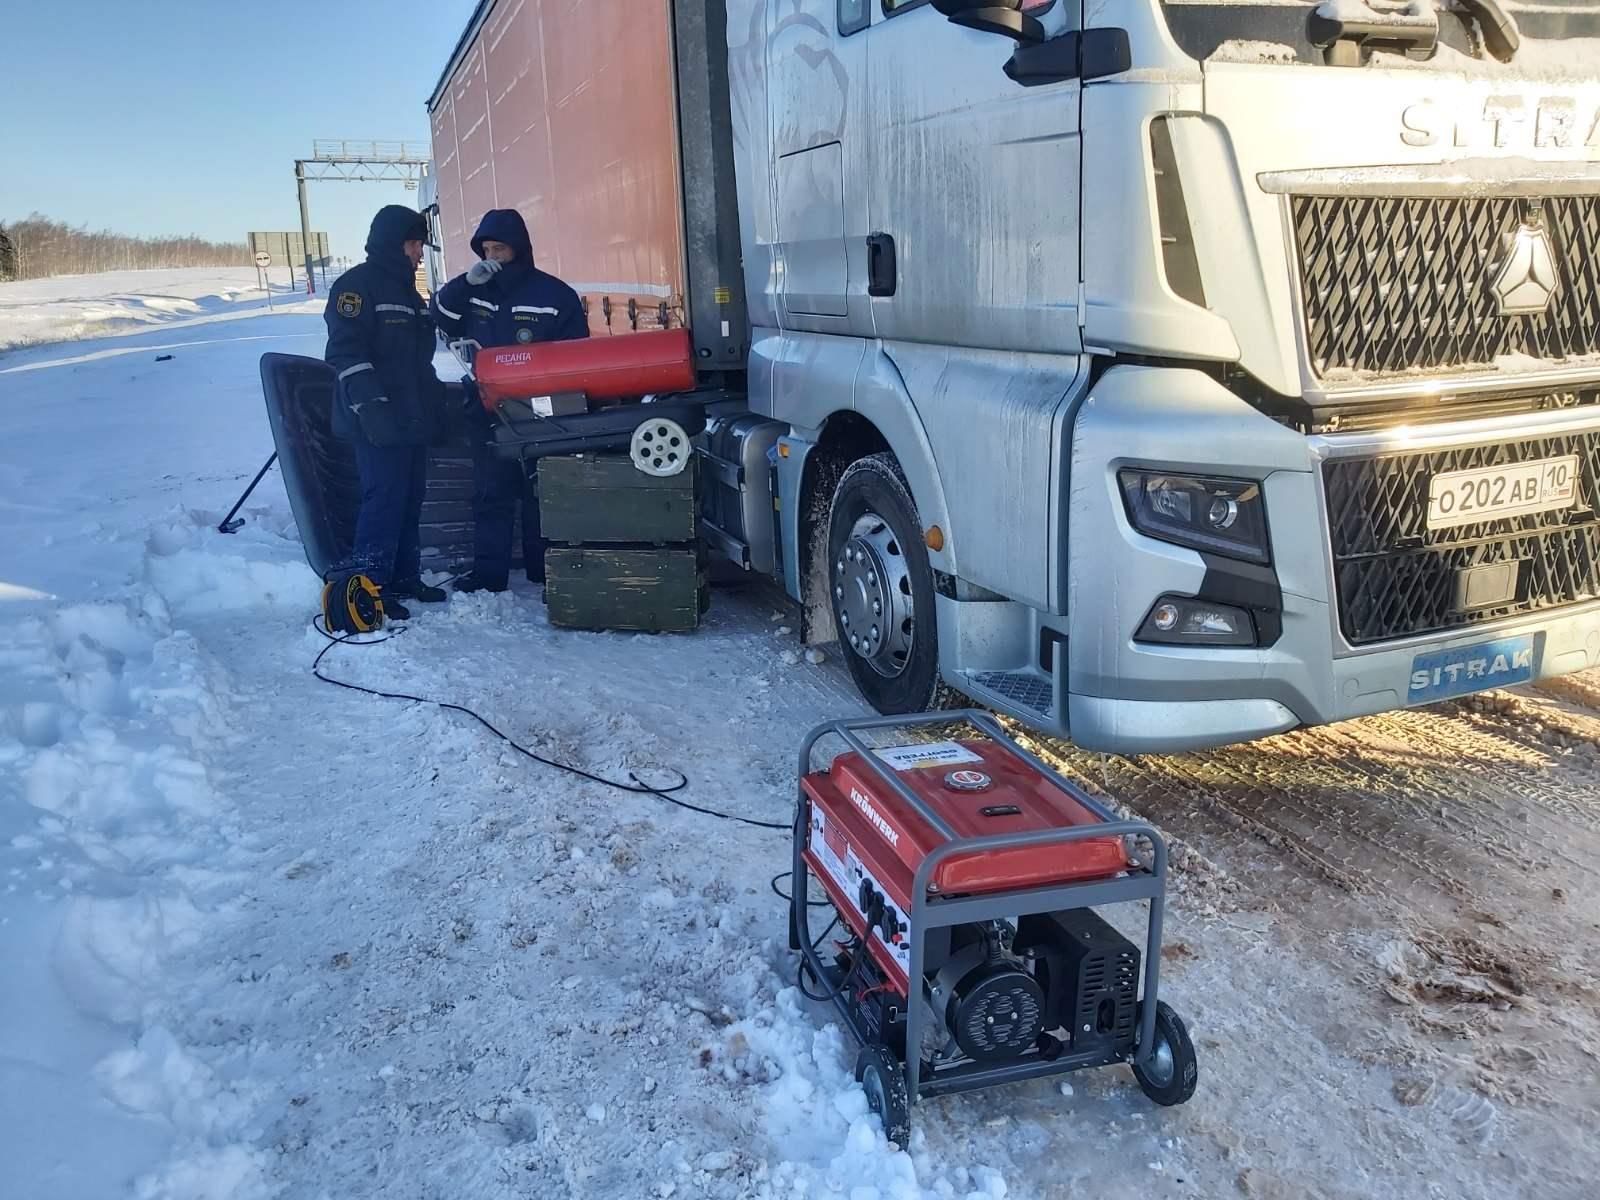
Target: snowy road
[(267, 938)]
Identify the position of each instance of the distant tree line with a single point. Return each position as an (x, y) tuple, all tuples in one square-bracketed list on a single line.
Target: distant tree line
[(37, 247)]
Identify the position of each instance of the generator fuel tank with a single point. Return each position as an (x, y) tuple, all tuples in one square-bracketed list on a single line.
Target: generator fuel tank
[(979, 790)]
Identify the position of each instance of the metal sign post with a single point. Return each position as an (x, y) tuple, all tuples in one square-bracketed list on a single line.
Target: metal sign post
[(263, 261), (400, 162), (305, 229)]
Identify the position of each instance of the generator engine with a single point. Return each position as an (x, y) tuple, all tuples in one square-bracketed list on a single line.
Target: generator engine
[(988, 1002), (1054, 982)]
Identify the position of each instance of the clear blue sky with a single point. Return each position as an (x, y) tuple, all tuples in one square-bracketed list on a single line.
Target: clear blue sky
[(183, 116)]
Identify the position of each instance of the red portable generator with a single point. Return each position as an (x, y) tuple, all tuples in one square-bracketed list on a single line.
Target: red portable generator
[(965, 874)]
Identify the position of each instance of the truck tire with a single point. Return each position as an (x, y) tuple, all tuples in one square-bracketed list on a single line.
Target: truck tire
[(881, 588)]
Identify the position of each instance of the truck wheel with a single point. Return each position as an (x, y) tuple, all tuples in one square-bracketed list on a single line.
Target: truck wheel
[(882, 588)]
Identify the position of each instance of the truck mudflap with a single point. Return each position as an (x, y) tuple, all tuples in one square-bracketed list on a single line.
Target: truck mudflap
[(319, 470)]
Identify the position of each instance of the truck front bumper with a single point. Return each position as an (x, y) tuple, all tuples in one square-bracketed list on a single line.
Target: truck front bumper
[(1119, 694), (1275, 702)]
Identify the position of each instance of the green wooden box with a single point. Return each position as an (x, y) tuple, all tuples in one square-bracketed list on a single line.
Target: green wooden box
[(650, 590), (604, 498)]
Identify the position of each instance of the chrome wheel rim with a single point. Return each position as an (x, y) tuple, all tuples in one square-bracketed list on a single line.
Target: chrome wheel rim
[(872, 1084), (872, 597), (1159, 1069)]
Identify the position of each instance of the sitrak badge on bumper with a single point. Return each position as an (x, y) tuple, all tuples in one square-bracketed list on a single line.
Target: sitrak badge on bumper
[(1442, 674)]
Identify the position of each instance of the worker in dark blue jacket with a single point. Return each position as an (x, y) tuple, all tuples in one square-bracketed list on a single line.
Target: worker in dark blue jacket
[(389, 403), (504, 300)]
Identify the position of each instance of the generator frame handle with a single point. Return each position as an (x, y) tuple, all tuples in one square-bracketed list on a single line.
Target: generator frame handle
[(1146, 880)]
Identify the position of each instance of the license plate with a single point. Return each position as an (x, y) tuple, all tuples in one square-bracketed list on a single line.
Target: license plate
[(1441, 674), (1467, 497)]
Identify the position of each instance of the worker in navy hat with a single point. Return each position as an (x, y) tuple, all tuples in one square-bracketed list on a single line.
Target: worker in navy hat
[(390, 403), (504, 300)]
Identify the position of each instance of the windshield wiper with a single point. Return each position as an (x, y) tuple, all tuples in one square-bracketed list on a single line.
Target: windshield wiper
[(1348, 31), (1501, 37)]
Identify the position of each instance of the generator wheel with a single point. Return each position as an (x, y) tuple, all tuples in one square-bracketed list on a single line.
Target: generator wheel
[(1173, 1071), (884, 1080)]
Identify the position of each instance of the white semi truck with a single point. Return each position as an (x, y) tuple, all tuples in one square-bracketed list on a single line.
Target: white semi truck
[(1161, 374)]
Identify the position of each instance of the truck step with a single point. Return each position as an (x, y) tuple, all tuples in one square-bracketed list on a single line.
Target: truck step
[(1033, 696)]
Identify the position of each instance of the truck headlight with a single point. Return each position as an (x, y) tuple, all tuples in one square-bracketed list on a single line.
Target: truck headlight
[(1224, 516)]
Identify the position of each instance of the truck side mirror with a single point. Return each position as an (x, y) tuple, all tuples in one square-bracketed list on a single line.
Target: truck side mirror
[(993, 16)]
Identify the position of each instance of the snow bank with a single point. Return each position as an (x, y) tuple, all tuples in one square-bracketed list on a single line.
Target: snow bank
[(195, 573), (72, 307), (818, 1120), (116, 828)]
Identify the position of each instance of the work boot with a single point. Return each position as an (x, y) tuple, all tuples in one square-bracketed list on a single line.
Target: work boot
[(478, 583), (415, 589), (393, 610)]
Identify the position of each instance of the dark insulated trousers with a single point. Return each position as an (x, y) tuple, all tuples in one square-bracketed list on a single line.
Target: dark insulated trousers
[(497, 486), (388, 548)]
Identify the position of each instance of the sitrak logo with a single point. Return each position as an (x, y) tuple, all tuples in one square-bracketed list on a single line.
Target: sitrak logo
[(1527, 279), (1485, 670)]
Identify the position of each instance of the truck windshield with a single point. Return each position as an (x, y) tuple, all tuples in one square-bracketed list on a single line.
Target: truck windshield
[(1271, 31)]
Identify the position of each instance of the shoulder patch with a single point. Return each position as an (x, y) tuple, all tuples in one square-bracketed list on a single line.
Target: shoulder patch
[(348, 304)]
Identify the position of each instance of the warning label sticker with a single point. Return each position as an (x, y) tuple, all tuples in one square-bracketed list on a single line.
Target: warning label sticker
[(927, 754)]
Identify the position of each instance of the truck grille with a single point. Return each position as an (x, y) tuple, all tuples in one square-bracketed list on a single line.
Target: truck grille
[(1395, 578), (1396, 284)]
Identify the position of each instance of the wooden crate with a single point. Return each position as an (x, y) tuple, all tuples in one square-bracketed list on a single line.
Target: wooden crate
[(650, 590), (586, 498)]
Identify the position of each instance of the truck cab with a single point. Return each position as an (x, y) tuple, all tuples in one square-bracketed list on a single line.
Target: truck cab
[(1170, 374)]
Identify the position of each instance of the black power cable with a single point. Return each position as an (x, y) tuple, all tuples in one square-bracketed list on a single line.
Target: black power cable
[(778, 892), (636, 788), (857, 951), (823, 936)]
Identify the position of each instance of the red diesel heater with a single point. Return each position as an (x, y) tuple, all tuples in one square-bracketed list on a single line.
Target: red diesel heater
[(601, 368)]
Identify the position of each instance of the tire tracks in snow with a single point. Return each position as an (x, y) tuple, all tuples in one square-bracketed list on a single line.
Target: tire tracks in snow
[(1459, 847)]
